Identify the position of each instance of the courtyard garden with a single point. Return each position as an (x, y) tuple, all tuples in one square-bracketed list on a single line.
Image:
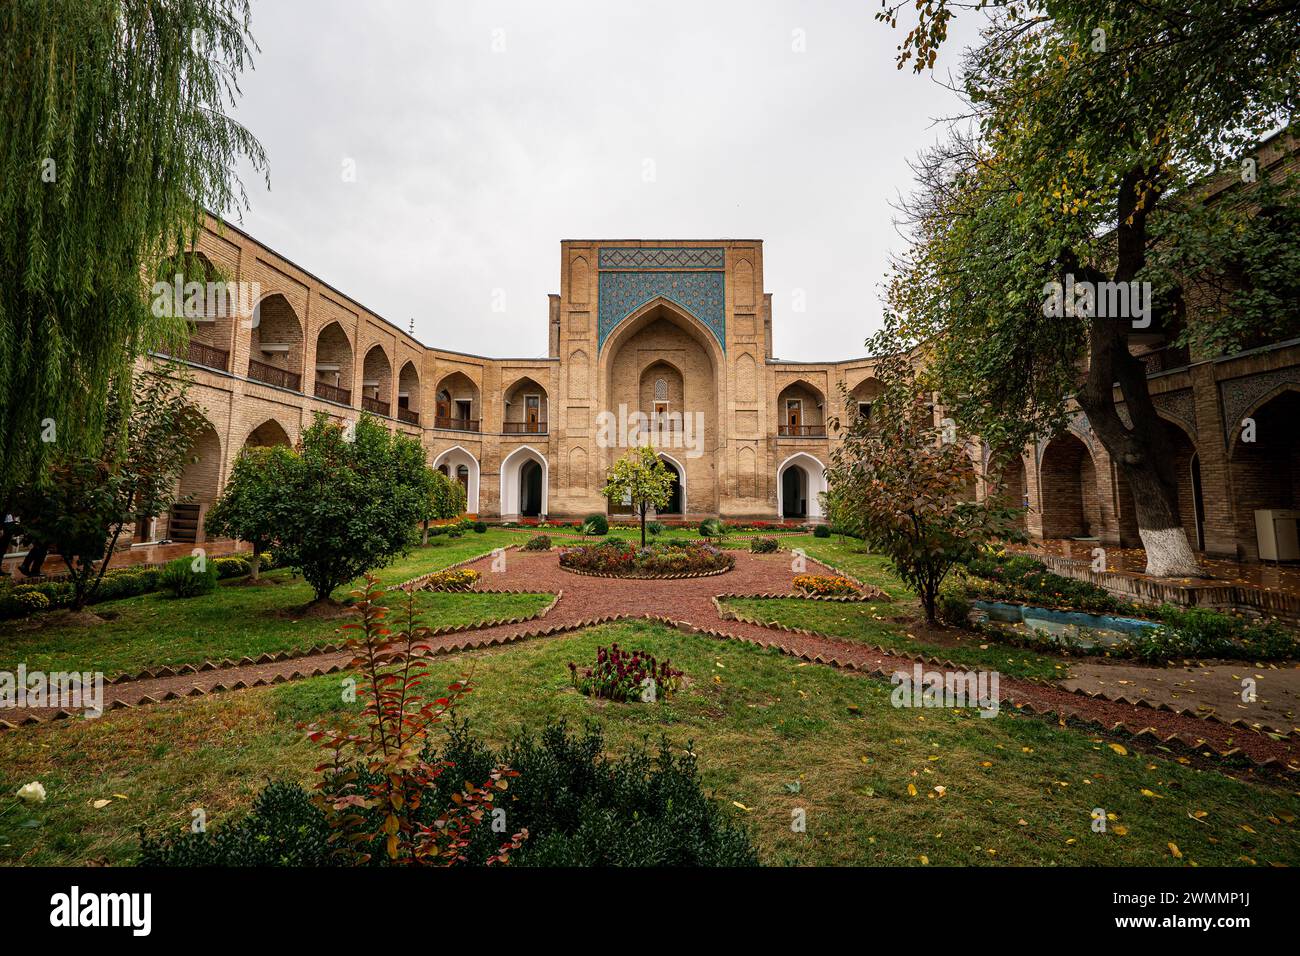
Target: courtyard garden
[(772, 740), (772, 735)]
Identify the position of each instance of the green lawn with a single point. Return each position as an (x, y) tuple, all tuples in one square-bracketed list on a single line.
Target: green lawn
[(240, 620), (1007, 790), (870, 624)]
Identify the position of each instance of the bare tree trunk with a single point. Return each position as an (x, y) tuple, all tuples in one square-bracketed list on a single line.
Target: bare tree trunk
[(1141, 453), (255, 565)]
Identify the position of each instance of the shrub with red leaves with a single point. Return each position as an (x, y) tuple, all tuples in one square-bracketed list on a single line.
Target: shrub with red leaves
[(622, 675)]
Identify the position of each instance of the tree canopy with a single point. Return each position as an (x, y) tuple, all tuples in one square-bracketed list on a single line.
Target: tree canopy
[(114, 139), (640, 477), (349, 502), (1089, 131)]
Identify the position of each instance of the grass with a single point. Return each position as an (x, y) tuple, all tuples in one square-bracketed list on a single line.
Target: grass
[(1007, 790), (867, 623), (240, 620)]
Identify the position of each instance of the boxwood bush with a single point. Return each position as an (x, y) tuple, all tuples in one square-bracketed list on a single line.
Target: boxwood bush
[(538, 542), (580, 807), (183, 581), (595, 524)]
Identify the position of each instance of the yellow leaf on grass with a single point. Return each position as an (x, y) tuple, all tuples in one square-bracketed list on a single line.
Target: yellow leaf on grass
[(737, 803), (1119, 750), (101, 804), (1120, 830), (1173, 848), (911, 789), (1149, 793), (925, 860)]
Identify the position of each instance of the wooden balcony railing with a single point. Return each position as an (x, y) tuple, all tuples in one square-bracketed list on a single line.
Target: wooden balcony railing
[(801, 431), (408, 416), (456, 424), (1163, 359), (200, 353), (374, 405), (524, 428), (272, 375), (332, 393)]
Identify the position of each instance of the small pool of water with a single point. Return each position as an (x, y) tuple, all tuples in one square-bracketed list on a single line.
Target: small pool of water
[(1089, 630)]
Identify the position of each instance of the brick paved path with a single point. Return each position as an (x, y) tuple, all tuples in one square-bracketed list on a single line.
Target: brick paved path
[(688, 604)]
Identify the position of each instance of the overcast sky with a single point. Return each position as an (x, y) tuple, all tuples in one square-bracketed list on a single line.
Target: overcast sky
[(483, 133)]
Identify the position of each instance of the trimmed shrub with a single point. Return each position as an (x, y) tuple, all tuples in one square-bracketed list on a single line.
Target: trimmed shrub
[(763, 545), (123, 584), (231, 567), (821, 531), (180, 578), (596, 524), (580, 807), (283, 828), (538, 542), (32, 601), (479, 527)]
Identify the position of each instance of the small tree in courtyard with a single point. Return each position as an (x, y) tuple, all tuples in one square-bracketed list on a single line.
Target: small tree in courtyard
[(903, 482), (350, 502), (252, 506), (444, 498), (641, 478), (133, 474)]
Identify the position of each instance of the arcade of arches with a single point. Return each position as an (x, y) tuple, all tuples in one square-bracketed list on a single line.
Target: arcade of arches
[(675, 339)]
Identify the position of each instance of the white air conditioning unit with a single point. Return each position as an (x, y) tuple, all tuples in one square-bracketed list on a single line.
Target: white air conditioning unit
[(1278, 534)]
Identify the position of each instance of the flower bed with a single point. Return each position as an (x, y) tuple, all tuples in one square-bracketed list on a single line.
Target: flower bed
[(623, 676), (825, 585), (453, 579), (623, 559)]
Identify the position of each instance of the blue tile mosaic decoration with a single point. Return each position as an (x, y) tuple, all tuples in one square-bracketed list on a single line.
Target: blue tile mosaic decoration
[(700, 293), (661, 257)]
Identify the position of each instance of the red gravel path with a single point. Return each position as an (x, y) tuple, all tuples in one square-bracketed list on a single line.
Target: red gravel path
[(688, 603)]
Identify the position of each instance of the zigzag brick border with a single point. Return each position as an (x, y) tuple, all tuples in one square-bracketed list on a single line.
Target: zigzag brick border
[(332, 647), (727, 614), (1064, 713), (1146, 734)]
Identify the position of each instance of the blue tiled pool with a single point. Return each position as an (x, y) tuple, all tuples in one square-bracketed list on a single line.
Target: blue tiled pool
[(1089, 630)]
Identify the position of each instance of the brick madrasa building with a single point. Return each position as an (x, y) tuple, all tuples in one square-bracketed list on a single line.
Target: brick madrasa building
[(677, 335)]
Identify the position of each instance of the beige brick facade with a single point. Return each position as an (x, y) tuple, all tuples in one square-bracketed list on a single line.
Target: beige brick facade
[(683, 330)]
